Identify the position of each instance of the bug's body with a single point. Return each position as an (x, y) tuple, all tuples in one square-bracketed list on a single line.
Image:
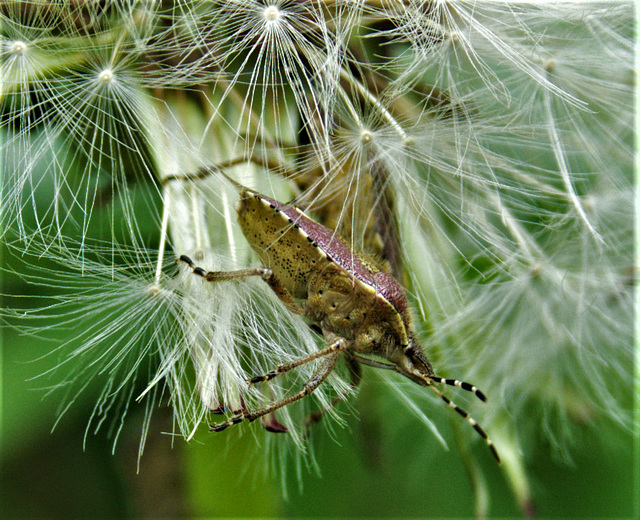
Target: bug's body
[(341, 293), (361, 310)]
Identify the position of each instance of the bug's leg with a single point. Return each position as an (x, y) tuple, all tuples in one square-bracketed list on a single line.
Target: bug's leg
[(220, 276), (465, 415), (337, 346), (311, 385), (355, 374), (266, 274), (282, 293)]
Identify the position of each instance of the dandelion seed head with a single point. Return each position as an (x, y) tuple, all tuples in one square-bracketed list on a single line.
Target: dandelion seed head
[(366, 136), (106, 76), (589, 202), (18, 47), (454, 37), (536, 271), (156, 290), (271, 13), (570, 341)]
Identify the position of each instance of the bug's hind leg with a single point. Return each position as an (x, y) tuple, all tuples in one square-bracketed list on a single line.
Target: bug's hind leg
[(265, 273), (310, 386), (355, 373)]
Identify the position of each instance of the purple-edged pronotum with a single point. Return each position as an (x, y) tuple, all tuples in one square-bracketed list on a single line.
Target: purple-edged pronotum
[(361, 310)]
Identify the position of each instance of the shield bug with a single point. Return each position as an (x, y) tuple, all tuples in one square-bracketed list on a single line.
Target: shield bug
[(361, 310)]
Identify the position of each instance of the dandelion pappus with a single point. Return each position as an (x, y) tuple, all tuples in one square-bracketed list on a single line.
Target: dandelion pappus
[(361, 310)]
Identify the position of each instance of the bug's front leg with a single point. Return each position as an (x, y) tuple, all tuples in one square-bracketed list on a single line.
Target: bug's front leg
[(265, 273)]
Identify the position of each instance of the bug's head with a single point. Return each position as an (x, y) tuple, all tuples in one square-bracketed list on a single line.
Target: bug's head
[(416, 364)]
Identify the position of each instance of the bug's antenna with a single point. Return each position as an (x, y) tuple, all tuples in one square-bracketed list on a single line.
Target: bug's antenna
[(461, 384), (467, 418)]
